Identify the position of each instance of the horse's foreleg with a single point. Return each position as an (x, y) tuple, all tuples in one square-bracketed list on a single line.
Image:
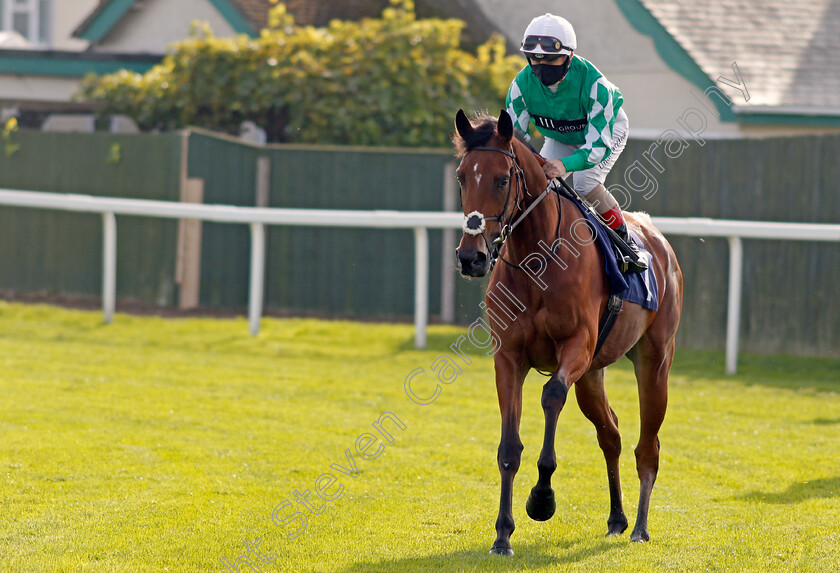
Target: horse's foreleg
[(509, 379), (652, 376), (541, 504), (592, 399)]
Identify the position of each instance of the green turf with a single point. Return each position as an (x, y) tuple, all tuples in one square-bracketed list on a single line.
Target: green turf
[(164, 444)]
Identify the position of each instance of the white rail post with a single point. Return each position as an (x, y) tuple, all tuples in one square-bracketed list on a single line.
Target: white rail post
[(421, 285), (109, 265), (733, 313), (255, 297)]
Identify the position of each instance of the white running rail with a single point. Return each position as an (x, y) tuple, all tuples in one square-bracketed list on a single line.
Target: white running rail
[(257, 218)]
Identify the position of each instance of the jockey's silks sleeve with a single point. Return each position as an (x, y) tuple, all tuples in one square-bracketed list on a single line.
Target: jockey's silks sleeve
[(580, 112)]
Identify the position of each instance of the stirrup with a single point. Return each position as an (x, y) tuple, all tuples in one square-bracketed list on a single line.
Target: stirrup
[(629, 263)]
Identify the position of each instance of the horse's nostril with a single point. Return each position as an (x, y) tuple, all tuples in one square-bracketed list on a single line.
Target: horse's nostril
[(472, 262)]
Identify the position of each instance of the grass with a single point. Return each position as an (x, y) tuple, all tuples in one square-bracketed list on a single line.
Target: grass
[(166, 444)]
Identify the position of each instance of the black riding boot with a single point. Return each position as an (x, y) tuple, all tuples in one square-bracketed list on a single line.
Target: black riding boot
[(635, 264)]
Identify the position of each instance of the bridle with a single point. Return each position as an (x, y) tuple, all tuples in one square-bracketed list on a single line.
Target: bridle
[(474, 222)]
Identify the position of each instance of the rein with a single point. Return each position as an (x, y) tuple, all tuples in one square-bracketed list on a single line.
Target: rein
[(474, 222)]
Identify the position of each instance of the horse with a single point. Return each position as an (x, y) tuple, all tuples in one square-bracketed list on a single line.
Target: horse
[(557, 330)]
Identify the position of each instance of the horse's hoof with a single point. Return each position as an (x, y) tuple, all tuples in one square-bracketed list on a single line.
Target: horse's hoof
[(540, 505), (616, 526), (501, 551), (640, 535)]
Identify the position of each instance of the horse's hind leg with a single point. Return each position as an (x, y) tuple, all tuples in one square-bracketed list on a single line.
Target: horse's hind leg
[(592, 399), (652, 364)]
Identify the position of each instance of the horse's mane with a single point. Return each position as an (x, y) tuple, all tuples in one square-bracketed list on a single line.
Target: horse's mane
[(485, 126), (520, 135)]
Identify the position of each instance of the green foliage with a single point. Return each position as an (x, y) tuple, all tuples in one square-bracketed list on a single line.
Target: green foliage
[(9, 129), (395, 80), (114, 154)]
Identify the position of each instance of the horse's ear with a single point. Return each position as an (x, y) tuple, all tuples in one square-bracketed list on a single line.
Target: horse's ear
[(463, 125), (505, 128)]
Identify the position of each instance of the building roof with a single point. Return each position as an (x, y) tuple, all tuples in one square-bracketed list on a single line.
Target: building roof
[(244, 16), (255, 11), (786, 50), (250, 16), (319, 13)]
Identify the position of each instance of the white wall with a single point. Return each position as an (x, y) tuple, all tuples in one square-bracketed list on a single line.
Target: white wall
[(66, 17), (37, 88), (154, 24)]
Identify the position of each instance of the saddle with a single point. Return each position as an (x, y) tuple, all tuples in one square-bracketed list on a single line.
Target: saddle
[(629, 259), (636, 287)]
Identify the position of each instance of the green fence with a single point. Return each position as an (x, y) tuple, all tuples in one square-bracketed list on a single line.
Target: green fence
[(789, 302), (336, 272), (228, 169), (788, 306), (60, 253)]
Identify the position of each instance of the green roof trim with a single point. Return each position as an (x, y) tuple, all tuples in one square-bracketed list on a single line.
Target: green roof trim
[(789, 119), (68, 65), (234, 17), (674, 55), (104, 19), (108, 15)]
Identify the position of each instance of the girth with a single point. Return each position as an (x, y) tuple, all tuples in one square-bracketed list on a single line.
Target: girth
[(608, 321)]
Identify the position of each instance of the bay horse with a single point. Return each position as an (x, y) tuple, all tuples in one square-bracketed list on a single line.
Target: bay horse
[(557, 331)]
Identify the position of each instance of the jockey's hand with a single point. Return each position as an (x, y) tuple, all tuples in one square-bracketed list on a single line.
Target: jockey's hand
[(554, 168)]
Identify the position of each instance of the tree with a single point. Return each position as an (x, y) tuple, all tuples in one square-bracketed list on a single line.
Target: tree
[(396, 81)]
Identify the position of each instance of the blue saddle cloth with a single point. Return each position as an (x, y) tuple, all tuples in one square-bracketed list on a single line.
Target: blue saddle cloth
[(639, 288)]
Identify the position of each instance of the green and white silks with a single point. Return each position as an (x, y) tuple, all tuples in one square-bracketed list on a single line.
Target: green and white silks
[(580, 111)]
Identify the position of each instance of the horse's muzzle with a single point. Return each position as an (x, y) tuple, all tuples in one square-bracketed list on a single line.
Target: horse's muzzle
[(473, 263)]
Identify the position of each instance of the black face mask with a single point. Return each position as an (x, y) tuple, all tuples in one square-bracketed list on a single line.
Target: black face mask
[(550, 75)]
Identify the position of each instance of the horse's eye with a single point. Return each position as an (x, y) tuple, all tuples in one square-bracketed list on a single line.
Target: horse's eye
[(460, 179), (503, 182)]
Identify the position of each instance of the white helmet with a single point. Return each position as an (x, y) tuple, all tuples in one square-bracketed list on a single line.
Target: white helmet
[(549, 35)]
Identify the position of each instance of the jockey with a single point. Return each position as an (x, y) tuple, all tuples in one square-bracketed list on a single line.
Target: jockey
[(578, 111)]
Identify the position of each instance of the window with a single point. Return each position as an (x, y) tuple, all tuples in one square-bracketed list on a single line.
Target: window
[(29, 18)]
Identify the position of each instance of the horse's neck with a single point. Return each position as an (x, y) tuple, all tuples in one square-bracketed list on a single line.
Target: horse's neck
[(541, 224)]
